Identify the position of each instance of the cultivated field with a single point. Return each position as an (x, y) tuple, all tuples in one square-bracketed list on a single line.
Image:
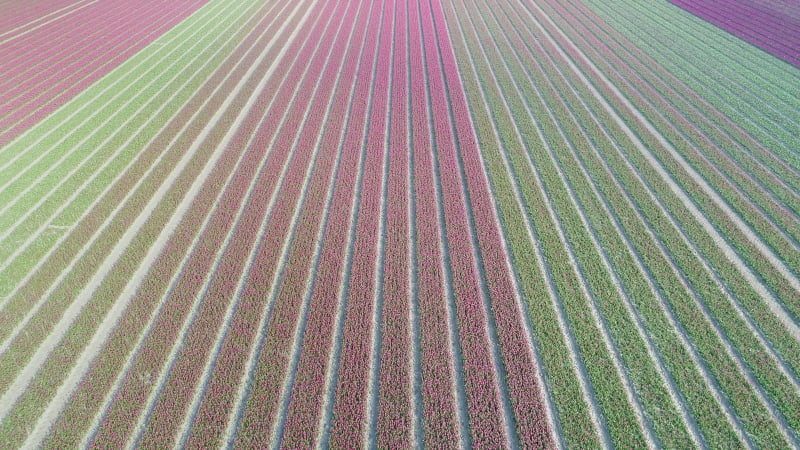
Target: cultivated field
[(396, 224)]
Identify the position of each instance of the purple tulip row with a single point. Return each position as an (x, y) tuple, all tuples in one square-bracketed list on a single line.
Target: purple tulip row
[(771, 31), (741, 185), (131, 396), (44, 68)]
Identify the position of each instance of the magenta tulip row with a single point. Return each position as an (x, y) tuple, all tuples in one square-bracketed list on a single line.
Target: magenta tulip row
[(20, 17), (306, 398), (395, 392), (129, 400), (47, 66), (350, 410), (273, 368)]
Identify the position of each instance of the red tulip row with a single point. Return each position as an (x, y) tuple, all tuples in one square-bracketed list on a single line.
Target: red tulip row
[(304, 404), (74, 42), (299, 264), (24, 299), (44, 68)]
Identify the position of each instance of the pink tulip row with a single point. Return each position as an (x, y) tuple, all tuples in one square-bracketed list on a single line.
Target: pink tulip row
[(440, 428), (304, 409), (262, 405), (19, 17), (524, 392), (79, 41), (480, 378), (120, 346), (349, 415), (70, 61), (286, 311), (395, 404), (769, 30), (61, 39), (132, 394), (222, 288)]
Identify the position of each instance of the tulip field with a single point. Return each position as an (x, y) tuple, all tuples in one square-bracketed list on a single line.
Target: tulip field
[(399, 224)]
